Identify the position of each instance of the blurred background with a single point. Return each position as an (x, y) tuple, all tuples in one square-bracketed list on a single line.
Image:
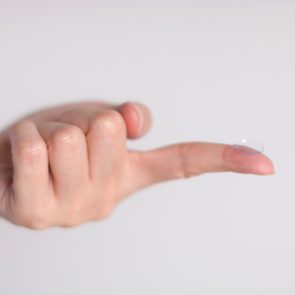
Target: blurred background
[(210, 71)]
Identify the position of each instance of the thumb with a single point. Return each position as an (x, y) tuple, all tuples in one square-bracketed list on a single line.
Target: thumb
[(190, 159), (138, 118)]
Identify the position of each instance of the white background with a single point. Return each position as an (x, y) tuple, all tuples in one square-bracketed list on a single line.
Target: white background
[(209, 70)]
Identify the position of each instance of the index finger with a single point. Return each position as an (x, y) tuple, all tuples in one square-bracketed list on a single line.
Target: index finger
[(185, 160)]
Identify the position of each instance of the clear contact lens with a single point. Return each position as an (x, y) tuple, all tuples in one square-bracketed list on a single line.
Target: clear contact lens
[(249, 147)]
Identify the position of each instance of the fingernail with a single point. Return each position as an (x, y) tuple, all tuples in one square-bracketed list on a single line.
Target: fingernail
[(249, 147)]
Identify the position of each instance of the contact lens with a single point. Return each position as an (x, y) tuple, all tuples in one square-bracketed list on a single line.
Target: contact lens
[(249, 147)]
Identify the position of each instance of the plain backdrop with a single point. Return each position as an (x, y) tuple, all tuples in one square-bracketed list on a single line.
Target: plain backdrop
[(210, 71)]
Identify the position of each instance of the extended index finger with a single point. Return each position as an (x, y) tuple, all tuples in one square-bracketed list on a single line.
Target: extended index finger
[(185, 160)]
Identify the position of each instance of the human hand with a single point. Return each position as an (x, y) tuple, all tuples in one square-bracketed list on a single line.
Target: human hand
[(69, 164)]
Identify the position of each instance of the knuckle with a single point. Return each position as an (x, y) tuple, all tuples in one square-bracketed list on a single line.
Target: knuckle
[(67, 138), (111, 122), (21, 123), (185, 168), (32, 149)]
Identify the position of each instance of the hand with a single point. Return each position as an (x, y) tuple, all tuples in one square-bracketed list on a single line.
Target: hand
[(69, 164)]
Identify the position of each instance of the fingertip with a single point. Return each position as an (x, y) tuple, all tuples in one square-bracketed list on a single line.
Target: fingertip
[(265, 167), (258, 164)]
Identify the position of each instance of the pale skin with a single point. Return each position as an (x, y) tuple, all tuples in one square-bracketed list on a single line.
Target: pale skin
[(69, 164)]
